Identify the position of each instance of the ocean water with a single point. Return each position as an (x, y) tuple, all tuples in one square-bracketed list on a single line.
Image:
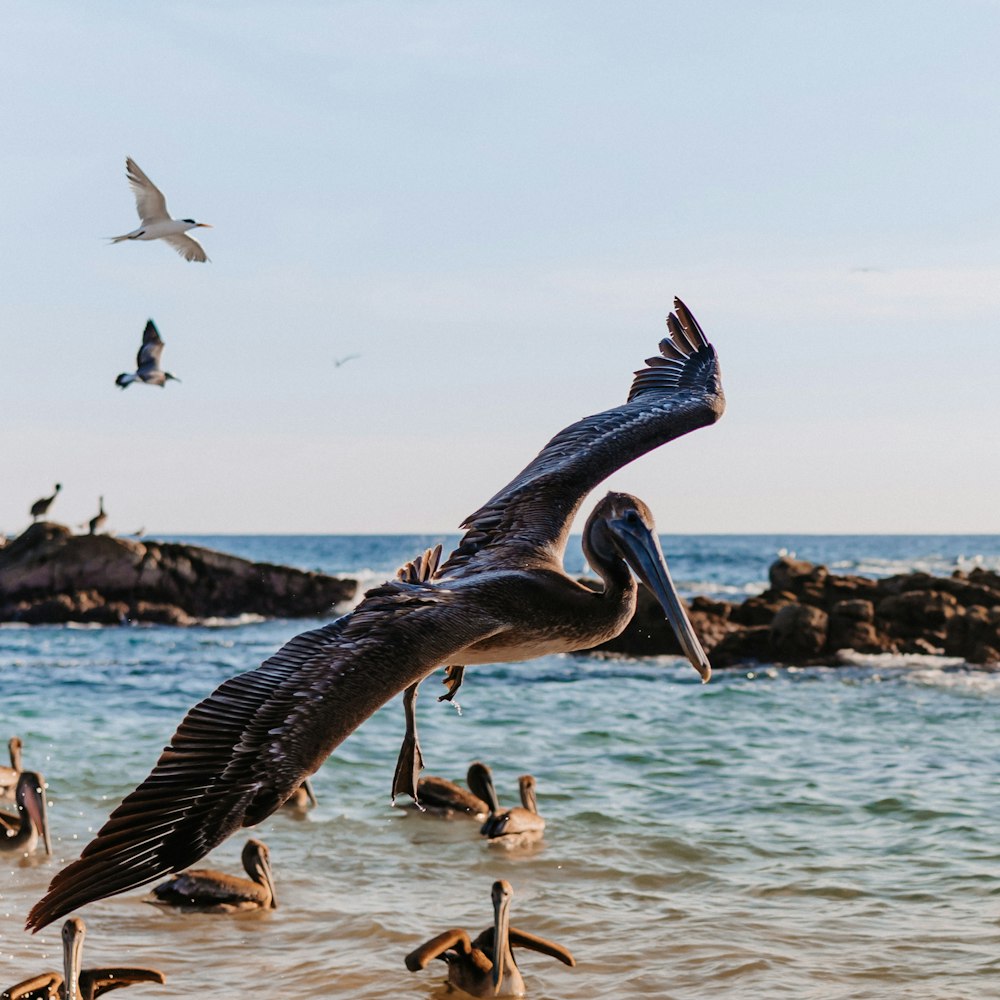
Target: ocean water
[(803, 833)]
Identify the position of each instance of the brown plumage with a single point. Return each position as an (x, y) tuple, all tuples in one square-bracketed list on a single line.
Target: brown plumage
[(485, 967), (216, 892), (442, 797), (76, 983), (515, 827), (19, 832), (9, 775), (41, 507), (502, 596)]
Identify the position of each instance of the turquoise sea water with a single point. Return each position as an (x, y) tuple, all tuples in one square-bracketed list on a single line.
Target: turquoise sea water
[(814, 833)]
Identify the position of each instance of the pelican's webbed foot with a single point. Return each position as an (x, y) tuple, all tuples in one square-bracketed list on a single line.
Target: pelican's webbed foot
[(453, 677)]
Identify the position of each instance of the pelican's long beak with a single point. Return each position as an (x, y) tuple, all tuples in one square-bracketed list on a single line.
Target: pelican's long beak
[(38, 811), (641, 549), (268, 876), (72, 935), (502, 893)]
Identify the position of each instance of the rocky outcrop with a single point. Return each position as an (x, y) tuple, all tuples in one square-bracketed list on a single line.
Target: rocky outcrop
[(808, 615), (49, 575)]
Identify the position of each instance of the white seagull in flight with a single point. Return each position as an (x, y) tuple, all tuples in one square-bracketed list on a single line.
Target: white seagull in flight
[(156, 221)]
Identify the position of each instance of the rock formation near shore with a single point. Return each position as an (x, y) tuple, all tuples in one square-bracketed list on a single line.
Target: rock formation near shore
[(50, 575), (807, 615)]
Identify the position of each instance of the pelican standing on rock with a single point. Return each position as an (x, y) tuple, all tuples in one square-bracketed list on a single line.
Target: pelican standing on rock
[(99, 519), (19, 833), (501, 596), (216, 892), (9, 775), (515, 827), (485, 967), (156, 221), (147, 362), (77, 983), (41, 507)]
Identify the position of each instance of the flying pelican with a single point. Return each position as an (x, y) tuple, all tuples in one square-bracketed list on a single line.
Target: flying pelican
[(501, 596), (19, 833), (41, 507), (77, 983), (9, 775), (216, 892), (98, 520), (486, 967), (156, 221), (515, 827), (147, 361), (444, 798)]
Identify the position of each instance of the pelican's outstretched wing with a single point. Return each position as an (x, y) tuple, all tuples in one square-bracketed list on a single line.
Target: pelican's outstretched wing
[(151, 349), (522, 939), (97, 982), (678, 392), (187, 246), (149, 200), (455, 938), (243, 750), (46, 984)]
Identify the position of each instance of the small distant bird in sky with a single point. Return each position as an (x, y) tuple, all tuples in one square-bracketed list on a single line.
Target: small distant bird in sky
[(337, 362), (41, 507), (147, 361), (156, 221)]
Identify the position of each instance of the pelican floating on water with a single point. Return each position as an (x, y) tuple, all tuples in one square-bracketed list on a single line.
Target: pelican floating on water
[(501, 596), (9, 775), (156, 223), (216, 892), (77, 983), (41, 507), (485, 967), (515, 827), (442, 797), (147, 361), (19, 833)]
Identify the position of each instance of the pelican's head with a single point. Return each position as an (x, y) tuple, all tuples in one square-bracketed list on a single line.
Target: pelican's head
[(502, 894), (526, 785), (622, 528), (480, 782), (14, 746), (73, 933), (257, 862), (30, 795)]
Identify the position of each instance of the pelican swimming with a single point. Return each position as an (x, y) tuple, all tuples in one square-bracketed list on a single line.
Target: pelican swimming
[(19, 833), (41, 507), (442, 797), (147, 361), (9, 775), (99, 519), (502, 596), (515, 827), (485, 967), (217, 892), (156, 221), (76, 983)]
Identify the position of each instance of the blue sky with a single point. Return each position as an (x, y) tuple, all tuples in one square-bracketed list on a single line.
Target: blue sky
[(493, 204)]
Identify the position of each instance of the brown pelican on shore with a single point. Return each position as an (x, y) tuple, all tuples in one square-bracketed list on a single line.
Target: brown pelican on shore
[(9, 775), (147, 362), (501, 596), (76, 983), (216, 892), (19, 833), (98, 520), (41, 507), (515, 827), (485, 967), (156, 223), (442, 797)]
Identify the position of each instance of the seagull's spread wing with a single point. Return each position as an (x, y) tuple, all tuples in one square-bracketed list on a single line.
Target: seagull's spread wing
[(151, 350), (242, 751), (187, 246), (679, 391), (149, 200)]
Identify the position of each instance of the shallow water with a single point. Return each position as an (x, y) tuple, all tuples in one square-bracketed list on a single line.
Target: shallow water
[(815, 833)]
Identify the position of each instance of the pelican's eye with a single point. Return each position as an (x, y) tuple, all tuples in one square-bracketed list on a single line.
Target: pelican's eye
[(632, 517)]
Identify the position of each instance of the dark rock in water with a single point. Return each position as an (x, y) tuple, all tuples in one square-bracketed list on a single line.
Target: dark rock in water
[(49, 575), (809, 616)]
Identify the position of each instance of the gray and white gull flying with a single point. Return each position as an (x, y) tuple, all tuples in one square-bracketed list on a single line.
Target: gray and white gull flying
[(501, 596), (147, 361)]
